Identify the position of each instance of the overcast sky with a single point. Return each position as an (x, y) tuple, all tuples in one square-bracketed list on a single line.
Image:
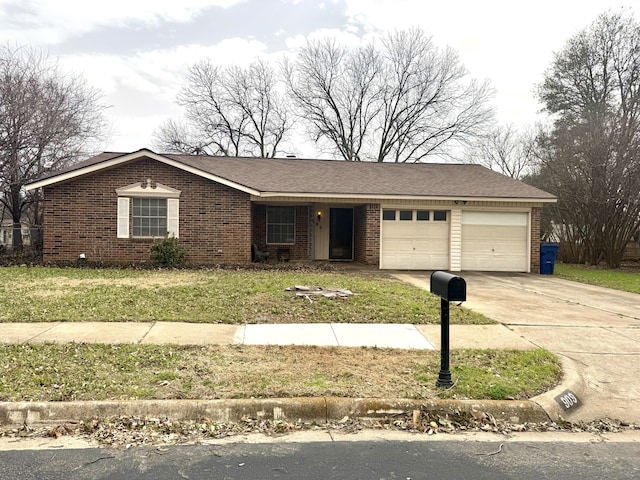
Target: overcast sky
[(137, 51)]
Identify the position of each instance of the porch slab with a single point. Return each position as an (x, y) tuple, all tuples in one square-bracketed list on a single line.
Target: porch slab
[(381, 336)]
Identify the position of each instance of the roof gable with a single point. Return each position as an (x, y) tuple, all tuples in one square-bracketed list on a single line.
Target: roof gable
[(111, 159)]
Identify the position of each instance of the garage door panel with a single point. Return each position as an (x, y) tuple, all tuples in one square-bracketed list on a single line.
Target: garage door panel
[(501, 244), (401, 230), (415, 245), (439, 246), (431, 262), (402, 246)]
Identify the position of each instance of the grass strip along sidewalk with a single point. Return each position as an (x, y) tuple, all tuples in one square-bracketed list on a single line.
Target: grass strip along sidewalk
[(73, 371)]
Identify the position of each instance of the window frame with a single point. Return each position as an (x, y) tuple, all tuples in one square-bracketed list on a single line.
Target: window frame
[(138, 219), (402, 215), (418, 219), (149, 190), (430, 215), (389, 210), (292, 225), (437, 213)]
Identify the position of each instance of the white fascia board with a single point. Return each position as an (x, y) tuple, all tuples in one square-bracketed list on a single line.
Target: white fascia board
[(133, 156), (405, 197), (90, 169)]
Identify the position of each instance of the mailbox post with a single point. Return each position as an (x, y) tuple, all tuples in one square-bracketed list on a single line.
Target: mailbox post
[(450, 288)]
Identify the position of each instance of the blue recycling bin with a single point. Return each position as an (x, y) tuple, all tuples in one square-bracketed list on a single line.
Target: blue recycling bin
[(548, 253)]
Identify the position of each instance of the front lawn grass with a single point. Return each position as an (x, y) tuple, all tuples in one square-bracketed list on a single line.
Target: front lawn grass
[(39, 294), (75, 371), (627, 281)]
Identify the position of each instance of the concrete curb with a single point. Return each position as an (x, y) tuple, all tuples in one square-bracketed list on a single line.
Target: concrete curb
[(317, 409), (571, 380)]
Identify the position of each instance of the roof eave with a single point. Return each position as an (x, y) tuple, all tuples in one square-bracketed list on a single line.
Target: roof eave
[(363, 196)]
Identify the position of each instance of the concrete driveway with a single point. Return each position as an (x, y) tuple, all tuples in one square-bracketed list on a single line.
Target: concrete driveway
[(596, 330)]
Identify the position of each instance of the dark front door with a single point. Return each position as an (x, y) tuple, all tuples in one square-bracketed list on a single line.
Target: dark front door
[(341, 234)]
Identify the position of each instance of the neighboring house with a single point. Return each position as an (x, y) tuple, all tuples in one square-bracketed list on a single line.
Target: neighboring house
[(6, 234), (632, 251), (418, 216)]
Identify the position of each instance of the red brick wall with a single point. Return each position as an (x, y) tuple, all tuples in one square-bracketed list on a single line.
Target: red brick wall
[(366, 225), (535, 239), (301, 250), (80, 216)]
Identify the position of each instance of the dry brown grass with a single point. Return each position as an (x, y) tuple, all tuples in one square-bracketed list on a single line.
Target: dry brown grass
[(73, 371), (60, 286), (213, 296)]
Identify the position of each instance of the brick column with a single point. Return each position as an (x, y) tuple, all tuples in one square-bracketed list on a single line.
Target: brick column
[(535, 239), (372, 255)]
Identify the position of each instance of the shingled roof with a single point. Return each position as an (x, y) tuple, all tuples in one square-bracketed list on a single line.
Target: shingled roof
[(306, 177)]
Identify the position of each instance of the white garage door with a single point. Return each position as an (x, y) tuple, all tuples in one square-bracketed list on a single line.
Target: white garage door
[(495, 241), (415, 239)]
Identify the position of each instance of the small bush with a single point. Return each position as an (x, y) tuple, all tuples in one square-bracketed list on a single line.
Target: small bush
[(167, 253)]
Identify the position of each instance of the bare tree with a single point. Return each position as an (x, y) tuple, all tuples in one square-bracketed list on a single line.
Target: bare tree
[(428, 102), (337, 92), (228, 111), (401, 101), (176, 136), (593, 152), (505, 149), (46, 119)]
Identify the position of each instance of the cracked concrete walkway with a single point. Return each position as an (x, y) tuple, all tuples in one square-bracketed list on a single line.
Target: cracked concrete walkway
[(597, 328)]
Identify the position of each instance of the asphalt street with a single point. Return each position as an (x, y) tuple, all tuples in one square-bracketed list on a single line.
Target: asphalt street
[(440, 460)]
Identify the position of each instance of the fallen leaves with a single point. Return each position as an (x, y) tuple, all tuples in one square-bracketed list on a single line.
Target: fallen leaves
[(126, 432)]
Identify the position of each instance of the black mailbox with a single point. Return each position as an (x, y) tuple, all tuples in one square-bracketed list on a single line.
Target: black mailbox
[(448, 287)]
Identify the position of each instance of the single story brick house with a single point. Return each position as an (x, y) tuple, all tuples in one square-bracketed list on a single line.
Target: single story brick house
[(420, 216)]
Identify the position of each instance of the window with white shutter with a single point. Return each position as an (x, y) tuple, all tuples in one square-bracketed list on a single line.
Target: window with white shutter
[(148, 210)]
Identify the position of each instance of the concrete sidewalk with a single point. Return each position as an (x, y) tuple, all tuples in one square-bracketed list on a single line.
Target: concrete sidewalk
[(404, 336), (322, 409)]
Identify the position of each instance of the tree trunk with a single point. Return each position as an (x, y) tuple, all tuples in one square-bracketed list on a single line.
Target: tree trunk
[(16, 214), (17, 237)]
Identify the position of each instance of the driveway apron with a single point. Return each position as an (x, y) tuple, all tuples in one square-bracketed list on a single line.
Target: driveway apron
[(597, 329)]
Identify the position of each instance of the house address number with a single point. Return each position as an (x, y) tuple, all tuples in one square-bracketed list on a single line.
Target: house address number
[(568, 400)]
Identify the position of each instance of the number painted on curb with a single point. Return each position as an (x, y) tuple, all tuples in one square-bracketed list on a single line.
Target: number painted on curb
[(568, 400)]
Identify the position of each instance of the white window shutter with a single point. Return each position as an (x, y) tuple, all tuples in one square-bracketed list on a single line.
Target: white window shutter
[(123, 217), (173, 208)]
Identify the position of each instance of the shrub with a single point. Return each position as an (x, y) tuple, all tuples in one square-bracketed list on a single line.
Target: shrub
[(167, 253)]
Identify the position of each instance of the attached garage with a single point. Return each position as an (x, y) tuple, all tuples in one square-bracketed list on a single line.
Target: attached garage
[(495, 241), (415, 239)]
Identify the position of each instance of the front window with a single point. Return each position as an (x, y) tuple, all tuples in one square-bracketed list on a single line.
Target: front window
[(149, 217), (148, 210), (281, 225)]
